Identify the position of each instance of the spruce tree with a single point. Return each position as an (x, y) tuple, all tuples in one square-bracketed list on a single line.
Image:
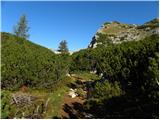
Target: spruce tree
[(21, 29), (63, 47)]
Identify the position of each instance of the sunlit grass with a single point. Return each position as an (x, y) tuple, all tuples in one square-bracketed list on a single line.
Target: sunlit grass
[(87, 76), (54, 96)]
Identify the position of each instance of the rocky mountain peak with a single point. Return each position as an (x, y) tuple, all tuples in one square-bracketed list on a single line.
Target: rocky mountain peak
[(116, 32)]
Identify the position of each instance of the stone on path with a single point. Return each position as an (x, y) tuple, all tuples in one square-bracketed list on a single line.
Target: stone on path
[(72, 93)]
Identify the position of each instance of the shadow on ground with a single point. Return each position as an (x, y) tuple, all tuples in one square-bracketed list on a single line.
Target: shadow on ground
[(123, 107), (74, 111)]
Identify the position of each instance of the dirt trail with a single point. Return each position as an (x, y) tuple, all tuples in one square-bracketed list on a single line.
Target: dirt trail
[(72, 107)]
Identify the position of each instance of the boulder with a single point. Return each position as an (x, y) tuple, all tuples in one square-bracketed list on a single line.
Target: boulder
[(72, 93)]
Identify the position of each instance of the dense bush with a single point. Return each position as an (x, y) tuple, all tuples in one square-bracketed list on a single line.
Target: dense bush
[(129, 63), (135, 66), (6, 107), (107, 90), (151, 24), (80, 92), (82, 61), (25, 63)]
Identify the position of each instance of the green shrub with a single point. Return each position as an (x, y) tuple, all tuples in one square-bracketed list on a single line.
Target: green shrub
[(25, 63), (134, 65), (5, 104), (82, 61), (107, 90), (106, 23), (80, 92)]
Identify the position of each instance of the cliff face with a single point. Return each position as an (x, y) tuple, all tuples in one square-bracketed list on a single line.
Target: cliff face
[(115, 32)]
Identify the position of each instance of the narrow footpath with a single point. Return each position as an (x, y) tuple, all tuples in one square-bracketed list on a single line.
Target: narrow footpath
[(72, 108)]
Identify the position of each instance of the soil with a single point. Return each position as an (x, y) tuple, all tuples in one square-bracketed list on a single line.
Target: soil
[(72, 108)]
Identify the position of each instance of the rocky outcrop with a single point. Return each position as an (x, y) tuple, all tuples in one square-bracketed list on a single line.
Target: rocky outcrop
[(115, 32)]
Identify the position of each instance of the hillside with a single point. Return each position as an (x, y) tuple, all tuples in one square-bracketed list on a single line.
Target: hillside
[(110, 81), (116, 32), (126, 58), (29, 64), (129, 85)]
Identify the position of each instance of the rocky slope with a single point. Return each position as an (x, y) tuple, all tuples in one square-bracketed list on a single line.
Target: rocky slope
[(115, 32)]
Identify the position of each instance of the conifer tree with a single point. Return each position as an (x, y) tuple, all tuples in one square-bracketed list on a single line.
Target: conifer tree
[(21, 29), (63, 47)]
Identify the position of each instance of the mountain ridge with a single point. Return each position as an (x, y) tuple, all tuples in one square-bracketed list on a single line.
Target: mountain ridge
[(116, 32)]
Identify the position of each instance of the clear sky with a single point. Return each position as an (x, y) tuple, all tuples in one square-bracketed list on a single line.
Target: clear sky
[(77, 22)]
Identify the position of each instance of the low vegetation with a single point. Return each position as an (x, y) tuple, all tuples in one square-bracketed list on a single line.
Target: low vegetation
[(46, 104), (134, 65), (114, 80), (25, 63)]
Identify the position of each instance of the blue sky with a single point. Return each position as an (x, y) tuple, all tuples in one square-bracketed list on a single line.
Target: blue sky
[(77, 22)]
